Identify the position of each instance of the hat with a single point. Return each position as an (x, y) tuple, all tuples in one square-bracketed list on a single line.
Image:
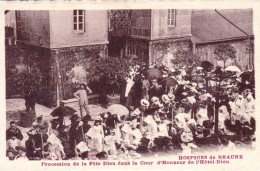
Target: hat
[(30, 131), (145, 103), (194, 84), (98, 118), (20, 148), (136, 112), (229, 86), (199, 68), (52, 118), (165, 98), (12, 122), (154, 80), (160, 111), (154, 99), (86, 118), (171, 96), (172, 70), (184, 93), (75, 117)]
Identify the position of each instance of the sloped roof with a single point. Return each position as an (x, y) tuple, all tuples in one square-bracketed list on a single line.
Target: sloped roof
[(209, 26)]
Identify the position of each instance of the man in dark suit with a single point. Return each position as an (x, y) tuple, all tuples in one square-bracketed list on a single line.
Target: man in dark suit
[(30, 99), (13, 131)]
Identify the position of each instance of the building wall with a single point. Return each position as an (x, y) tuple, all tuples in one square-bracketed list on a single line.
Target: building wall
[(162, 51), (244, 60), (25, 67), (33, 28), (160, 29), (63, 35), (74, 67), (141, 23)]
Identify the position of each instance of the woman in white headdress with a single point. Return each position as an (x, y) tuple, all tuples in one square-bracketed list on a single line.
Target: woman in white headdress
[(95, 136), (250, 105), (151, 127)]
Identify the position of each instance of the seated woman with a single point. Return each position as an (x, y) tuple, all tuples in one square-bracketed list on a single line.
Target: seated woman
[(95, 136), (55, 147)]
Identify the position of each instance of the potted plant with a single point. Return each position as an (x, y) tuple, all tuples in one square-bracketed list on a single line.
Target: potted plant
[(224, 52), (112, 71)]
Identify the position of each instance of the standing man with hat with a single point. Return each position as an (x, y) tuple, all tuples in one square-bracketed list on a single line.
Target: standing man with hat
[(75, 133), (82, 96), (30, 99)]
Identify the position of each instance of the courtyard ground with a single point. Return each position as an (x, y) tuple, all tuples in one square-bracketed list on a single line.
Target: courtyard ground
[(13, 106)]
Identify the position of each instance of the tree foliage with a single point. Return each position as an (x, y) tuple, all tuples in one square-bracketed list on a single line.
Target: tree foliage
[(224, 52), (186, 59), (116, 69)]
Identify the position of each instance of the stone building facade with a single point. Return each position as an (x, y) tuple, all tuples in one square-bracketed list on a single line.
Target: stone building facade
[(235, 27), (155, 35), (60, 46), (152, 34)]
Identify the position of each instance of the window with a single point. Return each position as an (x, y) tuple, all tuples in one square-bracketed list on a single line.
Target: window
[(171, 17), (78, 20)]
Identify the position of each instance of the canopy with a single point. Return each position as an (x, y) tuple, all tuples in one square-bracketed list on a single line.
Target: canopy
[(118, 109), (232, 69), (63, 110), (153, 73)]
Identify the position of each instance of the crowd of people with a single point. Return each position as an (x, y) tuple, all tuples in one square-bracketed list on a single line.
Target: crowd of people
[(178, 117)]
